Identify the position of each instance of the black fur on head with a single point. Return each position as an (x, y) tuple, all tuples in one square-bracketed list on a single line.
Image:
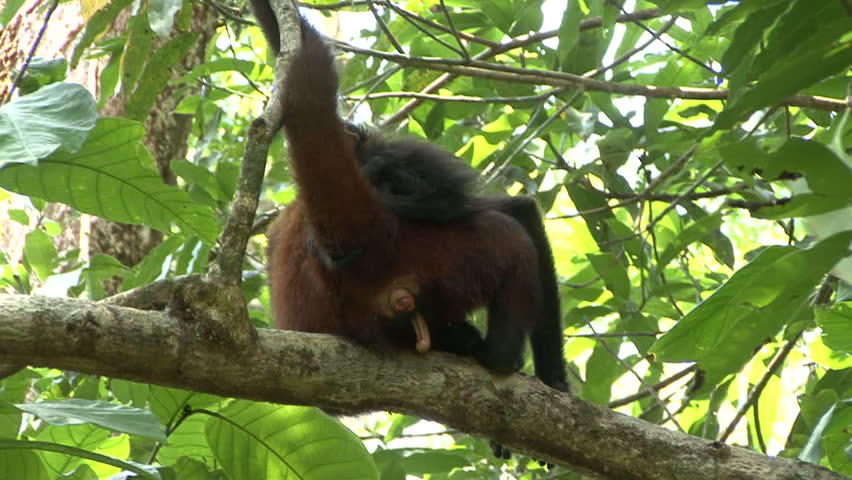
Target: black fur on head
[(417, 180)]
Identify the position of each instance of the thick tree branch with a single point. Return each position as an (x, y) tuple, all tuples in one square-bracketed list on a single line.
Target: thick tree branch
[(325, 371)]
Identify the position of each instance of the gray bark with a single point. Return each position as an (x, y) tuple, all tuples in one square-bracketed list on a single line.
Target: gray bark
[(329, 372)]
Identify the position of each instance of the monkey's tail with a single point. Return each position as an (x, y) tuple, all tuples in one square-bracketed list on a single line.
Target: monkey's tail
[(546, 336)]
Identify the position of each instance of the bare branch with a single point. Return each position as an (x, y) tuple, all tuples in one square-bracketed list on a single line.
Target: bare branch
[(507, 73), (232, 244)]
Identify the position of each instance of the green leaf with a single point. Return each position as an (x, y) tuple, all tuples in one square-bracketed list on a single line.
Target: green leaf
[(586, 199), (10, 8), (803, 205), (125, 391), (826, 172), (162, 15), (389, 464), (97, 24), (168, 403), (105, 178), (812, 451), (613, 273), (828, 177), (500, 13), (191, 469), (836, 442), (219, 65), (189, 440), (19, 216), (398, 425), (786, 78), (120, 418), (569, 30), (40, 252), (157, 74), (695, 232), (528, 17), (749, 33), (101, 267), (260, 440), (81, 472), (136, 51), (199, 176), (722, 332), (422, 461), (154, 265), (42, 72), (33, 126), (836, 324), (21, 464), (72, 439)]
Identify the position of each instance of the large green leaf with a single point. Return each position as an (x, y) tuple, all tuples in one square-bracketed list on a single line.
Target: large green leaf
[(260, 440), (786, 78), (107, 178), (120, 418), (722, 332), (828, 177), (76, 439), (137, 50), (836, 324), (22, 465), (156, 75), (35, 125), (826, 172)]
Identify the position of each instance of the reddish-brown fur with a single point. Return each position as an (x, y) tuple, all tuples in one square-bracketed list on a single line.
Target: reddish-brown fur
[(350, 237)]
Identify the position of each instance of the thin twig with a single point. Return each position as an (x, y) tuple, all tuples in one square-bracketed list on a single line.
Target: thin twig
[(459, 98), (779, 358), (385, 29), (455, 31), (508, 73), (23, 70), (518, 42), (649, 388), (667, 44), (415, 22), (656, 387), (618, 61)]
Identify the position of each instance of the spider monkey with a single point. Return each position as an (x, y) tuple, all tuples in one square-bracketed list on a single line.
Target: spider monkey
[(388, 243)]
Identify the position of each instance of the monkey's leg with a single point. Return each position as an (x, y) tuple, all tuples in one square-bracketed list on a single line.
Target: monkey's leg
[(508, 312), (546, 334)]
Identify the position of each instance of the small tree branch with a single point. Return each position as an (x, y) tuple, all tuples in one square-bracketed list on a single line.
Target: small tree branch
[(478, 68), (234, 239), (517, 42), (326, 371)]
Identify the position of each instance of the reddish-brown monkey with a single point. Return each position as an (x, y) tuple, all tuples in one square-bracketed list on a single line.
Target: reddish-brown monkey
[(383, 232)]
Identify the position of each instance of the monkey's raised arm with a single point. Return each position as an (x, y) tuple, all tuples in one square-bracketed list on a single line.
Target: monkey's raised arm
[(343, 211)]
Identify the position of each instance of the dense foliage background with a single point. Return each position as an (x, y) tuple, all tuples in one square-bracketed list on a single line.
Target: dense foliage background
[(692, 158)]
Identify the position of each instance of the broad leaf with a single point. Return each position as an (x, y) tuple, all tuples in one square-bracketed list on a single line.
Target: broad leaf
[(40, 252), (20, 464), (722, 332), (35, 125), (260, 440), (107, 178), (120, 418)]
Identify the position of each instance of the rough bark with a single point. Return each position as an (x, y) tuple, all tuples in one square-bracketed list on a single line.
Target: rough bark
[(325, 371)]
